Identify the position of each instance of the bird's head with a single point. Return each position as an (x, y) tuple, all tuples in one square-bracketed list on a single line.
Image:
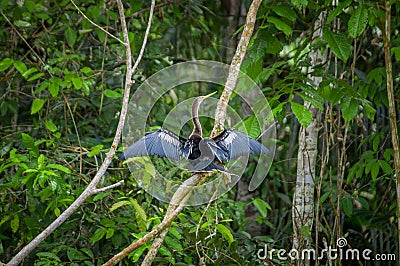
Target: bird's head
[(200, 99)]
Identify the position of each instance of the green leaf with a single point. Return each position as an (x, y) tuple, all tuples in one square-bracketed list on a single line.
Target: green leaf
[(174, 244), (262, 206), (37, 105), (119, 204), (101, 196), (375, 171), (95, 150), (136, 254), (347, 206), (29, 71), (51, 126), (59, 167), (385, 167), (14, 223), (29, 143), (22, 23), (338, 43), (339, 9), (225, 232), (394, 50), (20, 66), (5, 64), (140, 215), (349, 108), (71, 36), (35, 77), (358, 21), (285, 11), (302, 113), (112, 94), (57, 211), (110, 233), (98, 234), (281, 25), (78, 83)]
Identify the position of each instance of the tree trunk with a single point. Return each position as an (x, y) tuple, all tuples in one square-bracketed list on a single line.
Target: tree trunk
[(303, 199), (392, 109)]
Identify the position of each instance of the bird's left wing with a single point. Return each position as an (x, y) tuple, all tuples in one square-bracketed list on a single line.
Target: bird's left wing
[(160, 142), (233, 144)]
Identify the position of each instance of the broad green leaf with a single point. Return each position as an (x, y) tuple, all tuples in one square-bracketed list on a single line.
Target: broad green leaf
[(262, 206), (394, 50), (98, 234), (281, 25), (347, 206), (386, 167), (349, 108), (302, 113), (110, 233), (20, 66), (15, 223), (136, 254), (51, 126), (57, 211), (112, 94), (375, 171), (49, 255), (29, 71), (338, 43), (358, 21), (22, 23), (95, 150), (35, 77), (119, 204), (71, 36), (324, 197), (140, 215), (339, 9), (285, 11), (225, 232), (29, 143), (37, 105), (59, 167), (173, 243), (101, 196), (5, 64), (78, 83)]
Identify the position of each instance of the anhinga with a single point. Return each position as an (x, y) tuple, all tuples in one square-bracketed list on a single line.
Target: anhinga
[(201, 153)]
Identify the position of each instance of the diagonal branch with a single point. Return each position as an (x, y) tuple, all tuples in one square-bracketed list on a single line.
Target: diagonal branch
[(91, 189)]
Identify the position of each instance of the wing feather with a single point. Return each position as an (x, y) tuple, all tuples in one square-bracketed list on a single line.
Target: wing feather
[(162, 142), (233, 144)]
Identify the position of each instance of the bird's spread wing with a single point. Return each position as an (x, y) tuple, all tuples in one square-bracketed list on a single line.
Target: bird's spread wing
[(160, 142), (233, 144)]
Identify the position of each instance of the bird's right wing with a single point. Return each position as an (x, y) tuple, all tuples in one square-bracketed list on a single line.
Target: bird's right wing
[(162, 142), (233, 144)]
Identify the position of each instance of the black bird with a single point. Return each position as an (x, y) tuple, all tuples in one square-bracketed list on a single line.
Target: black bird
[(201, 153)]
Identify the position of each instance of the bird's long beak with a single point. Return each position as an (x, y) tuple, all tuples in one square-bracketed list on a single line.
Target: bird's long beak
[(209, 95)]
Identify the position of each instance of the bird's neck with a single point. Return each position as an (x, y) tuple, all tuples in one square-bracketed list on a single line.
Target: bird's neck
[(197, 131), (195, 118)]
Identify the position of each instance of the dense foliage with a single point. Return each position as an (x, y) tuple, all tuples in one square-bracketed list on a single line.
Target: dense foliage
[(61, 81)]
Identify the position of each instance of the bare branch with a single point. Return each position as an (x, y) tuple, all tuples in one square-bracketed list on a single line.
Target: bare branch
[(98, 190), (17, 259)]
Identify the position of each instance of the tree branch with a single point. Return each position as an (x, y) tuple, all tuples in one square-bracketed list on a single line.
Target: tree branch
[(220, 112), (17, 259)]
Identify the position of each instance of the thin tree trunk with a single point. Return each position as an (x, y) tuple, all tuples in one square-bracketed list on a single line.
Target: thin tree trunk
[(303, 200), (392, 109)]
